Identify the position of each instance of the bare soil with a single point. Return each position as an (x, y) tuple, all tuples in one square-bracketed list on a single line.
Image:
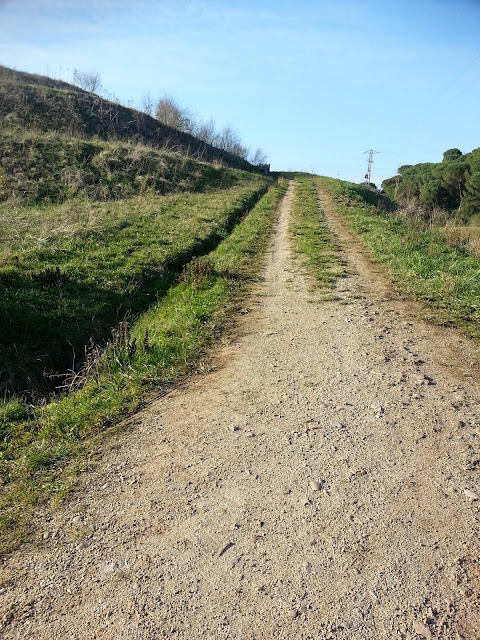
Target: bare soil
[(319, 483)]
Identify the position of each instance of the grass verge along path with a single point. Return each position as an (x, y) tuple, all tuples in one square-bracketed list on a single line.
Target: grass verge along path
[(446, 279), (44, 448)]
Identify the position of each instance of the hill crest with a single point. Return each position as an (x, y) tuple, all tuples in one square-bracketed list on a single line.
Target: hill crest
[(34, 101)]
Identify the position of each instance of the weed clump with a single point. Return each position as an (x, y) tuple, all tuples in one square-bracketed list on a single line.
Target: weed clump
[(3, 184), (198, 271), (118, 354), (121, 349), (50, 277)]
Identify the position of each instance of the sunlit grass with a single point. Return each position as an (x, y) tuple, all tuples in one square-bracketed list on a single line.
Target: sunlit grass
[(69, 273), (314, 243)]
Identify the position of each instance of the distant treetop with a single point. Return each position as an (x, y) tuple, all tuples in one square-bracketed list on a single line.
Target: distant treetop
[(451, 154), (452, 185)]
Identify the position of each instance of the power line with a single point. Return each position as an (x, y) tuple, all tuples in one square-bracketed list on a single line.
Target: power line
[(368, 175)]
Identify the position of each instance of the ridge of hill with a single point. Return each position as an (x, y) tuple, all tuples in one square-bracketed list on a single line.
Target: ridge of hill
[(44, 104)]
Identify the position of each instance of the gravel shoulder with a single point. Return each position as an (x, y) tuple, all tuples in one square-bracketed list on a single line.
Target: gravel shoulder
[(318, 483)]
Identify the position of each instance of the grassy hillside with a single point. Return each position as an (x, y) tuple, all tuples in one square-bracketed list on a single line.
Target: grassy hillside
[(86, 238), (71, 272), (42, 168), (42, 104)]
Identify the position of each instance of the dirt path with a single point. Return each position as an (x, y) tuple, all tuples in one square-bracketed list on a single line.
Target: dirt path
[(207, 523)]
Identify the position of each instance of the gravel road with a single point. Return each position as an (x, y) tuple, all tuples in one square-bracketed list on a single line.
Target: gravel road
[(319, 483)]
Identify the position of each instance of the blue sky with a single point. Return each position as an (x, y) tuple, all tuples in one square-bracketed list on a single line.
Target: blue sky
[(314, 83)]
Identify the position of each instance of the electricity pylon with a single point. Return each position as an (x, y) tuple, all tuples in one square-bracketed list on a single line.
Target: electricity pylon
[(368, 175)]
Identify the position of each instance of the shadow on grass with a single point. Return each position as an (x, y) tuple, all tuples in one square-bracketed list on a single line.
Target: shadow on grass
[(45, 328)]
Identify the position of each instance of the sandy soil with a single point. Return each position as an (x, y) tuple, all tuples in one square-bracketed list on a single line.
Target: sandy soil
[(318, 483)]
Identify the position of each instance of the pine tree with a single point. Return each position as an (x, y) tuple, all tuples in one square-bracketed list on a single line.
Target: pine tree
[(471, 195)]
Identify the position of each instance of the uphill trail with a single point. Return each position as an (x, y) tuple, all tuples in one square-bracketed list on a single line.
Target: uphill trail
[(317, 483)]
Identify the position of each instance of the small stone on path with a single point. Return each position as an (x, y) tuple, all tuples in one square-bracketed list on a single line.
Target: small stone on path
[(113, 567), (316, 486), (470, 494), (422, 630)]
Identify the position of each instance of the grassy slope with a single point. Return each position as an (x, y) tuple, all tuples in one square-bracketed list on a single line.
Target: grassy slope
[(40, 103), (43, 449), (114, 259), (94, 234), (423, 267), (53, 167)]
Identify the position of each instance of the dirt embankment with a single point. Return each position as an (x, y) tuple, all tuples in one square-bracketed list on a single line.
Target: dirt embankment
[(317, 484)]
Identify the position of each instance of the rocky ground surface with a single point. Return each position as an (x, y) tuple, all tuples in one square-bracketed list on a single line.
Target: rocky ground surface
[(320, 483)]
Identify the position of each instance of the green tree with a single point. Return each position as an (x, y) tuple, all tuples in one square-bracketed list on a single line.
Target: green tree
[(453, 177), (473, 160), (451, 184), (451, 154), (433, 194), (471, 196), (391, 186)]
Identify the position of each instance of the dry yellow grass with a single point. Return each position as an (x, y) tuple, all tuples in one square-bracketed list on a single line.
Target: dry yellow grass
[(465, 236)]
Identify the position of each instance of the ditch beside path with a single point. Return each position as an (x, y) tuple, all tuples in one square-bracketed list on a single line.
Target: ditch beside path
[(313, 485)]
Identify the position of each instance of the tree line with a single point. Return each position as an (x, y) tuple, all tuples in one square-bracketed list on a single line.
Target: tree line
[(169, 112), (452, 185)]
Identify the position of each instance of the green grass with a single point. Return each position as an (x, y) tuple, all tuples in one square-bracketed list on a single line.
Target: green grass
[(313, 241), (44, 448), (71, 272), (446, 279), (38, 167)]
